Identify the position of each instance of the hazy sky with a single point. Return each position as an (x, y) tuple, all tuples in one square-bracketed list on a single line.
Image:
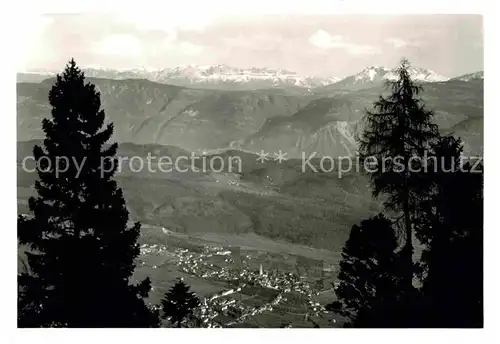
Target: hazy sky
[(336, 45)]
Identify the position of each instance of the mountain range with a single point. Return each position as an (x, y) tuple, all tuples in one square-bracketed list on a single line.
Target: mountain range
[(323, 120), (274, 200), (225, 77), (376, 75), (471, 76), (208, 76)]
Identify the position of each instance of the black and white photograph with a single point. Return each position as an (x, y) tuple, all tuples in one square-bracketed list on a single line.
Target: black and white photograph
[(197, 169)]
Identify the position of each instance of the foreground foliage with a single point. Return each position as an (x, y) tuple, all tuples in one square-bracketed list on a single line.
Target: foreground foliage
[(81, 249)]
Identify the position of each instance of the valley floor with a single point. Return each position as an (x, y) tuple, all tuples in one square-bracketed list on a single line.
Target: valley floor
[(242, 280)]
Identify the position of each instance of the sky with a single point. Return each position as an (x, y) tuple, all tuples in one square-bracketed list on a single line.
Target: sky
[(323, 45)]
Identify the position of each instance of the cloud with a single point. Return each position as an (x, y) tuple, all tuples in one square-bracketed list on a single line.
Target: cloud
[(397, 42), (119, 45), (323, 40), (194, 21), (173, 43), (257, 42), (361, 49), (30, 32), (449, 44), (187, 48)]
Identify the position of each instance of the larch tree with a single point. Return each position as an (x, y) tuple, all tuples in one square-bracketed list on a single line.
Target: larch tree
[(397, 133)]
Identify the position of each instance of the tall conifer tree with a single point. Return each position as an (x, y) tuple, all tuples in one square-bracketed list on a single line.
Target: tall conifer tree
[(81, 250), (450, 224), (178, 303), (397, 134), (370, 278)]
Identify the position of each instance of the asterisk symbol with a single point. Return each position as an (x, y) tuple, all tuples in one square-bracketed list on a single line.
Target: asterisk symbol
[(280, 156), (262, 156)]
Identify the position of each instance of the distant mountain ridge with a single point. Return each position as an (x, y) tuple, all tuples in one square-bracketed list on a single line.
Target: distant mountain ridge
[(200, 76), (227, 77), (195, 119), (479, 75), (375, 75)]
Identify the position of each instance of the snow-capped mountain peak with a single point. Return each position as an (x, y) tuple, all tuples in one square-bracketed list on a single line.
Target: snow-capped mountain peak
[(479, 75), (218, 75), (376, 74), (419, 74), (370, 73)]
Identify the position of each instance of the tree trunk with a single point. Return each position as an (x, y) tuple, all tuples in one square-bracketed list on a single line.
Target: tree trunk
[(408, 248)]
